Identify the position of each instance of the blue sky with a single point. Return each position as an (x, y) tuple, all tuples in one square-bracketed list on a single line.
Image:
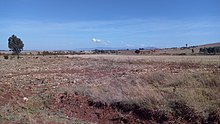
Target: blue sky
[(72, 24)]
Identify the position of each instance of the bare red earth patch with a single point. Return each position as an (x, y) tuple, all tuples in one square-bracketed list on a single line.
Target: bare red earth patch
[(78, 106)]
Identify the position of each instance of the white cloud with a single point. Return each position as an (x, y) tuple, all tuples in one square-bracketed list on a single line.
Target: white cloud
[(143, 45), (95, 40), (136, 45), (130, 45)]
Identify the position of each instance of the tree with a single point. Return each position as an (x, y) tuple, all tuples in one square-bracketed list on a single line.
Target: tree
[(15, 44), (192, 50), (137, 51)]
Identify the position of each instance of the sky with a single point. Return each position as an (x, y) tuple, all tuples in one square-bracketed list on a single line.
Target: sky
[(75, 24)]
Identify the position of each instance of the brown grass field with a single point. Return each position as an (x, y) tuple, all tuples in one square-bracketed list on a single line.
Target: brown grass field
[(109, 89)]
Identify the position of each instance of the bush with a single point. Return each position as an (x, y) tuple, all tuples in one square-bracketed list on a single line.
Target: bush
[(137, 51), (6, 57)]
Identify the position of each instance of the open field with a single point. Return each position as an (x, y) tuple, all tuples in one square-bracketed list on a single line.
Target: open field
[(192, 59), (110, 89)]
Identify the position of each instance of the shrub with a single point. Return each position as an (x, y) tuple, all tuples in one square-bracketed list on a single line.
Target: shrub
[(137, 51), (6, 57)]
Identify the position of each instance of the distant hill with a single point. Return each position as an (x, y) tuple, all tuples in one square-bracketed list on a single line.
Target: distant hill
[(183, 50), (114, 48), (210, 45)]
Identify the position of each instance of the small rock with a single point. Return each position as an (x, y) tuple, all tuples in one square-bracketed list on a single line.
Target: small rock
[(25, 99)]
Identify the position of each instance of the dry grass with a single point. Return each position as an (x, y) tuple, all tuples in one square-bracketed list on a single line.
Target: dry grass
[(188, 59), (197, 88), (153, 82), (200, 91)]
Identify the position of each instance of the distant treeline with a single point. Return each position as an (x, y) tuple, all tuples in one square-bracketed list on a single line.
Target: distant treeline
[(96, 51), (210, 50), (60, 53), (77, 53)]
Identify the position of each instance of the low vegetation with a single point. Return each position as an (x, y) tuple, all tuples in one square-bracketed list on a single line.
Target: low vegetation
[(210, 50), (6, 57), (107, 89)]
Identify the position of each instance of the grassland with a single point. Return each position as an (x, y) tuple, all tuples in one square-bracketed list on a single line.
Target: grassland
[(110, 89)]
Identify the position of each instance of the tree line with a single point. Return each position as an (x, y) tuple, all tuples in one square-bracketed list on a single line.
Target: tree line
[(210, 50)]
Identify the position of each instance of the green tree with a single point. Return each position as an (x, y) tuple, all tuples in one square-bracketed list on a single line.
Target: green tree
[(15, 44)]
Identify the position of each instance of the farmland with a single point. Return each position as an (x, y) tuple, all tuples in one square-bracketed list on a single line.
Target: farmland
[(110, 89)]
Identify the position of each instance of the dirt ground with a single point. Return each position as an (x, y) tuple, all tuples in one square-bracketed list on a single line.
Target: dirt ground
[(100, 88)]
